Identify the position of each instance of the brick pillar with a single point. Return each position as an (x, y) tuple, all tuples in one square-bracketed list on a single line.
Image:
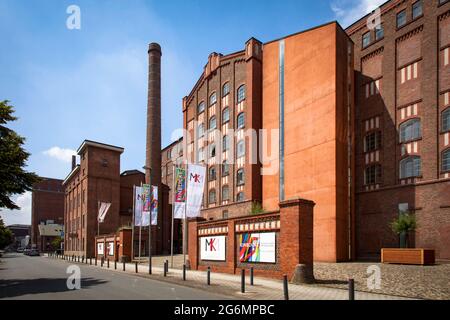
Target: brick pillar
[(231, 246), (296, 240)]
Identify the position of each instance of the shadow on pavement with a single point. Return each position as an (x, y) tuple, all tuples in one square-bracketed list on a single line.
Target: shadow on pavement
[(19, 287)]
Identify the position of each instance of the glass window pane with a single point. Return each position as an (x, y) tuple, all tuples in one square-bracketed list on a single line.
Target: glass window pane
[(417, 9), (366, 39), (401, 19), (446, 120), (225, 115)]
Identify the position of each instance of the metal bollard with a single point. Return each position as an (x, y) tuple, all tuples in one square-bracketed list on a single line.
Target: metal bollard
[(251, 276), (150, 265), (73, 257), (184, 272), (285, 287), (90, 261), (95, 261), (167, 266), (136, 267), (242, 280), (115, 265), (102, 262), (208, 276), (82, 259), (351, 289), (107, 263), (165, 270), (123, 267)]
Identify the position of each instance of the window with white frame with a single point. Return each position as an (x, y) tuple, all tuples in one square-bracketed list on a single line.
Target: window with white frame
[(241, 93), (225, 193), (212, 196), (225, 89), (446, 160), (225, 115), (212, 99), (410, 130), (201, 107), (410, 167), (240, 149), (241, 120), (212, 123), (240, 177), (446, 120)]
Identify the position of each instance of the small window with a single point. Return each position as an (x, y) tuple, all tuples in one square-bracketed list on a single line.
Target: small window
[(379, 32), (241, 94), (201, 130), (373, 175), (225, 214), (169, 154), (225, 143), (372, 141), (417, 9), (201, 107), (212, 196), (225, 169), (212, 123), (225, 115), (410, 167), (225, 89), (401, 19), (212, 174), (240, 178), (366, 39), (410, 130), (212, 150), (225, 193), (240, 197), (240, 149), (446, 120), (201, 155), (446, 161), (212, 99), (241, 120)]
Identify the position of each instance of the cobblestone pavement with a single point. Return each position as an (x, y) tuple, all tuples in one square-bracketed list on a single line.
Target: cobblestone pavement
[(229, 285), (422, 282)]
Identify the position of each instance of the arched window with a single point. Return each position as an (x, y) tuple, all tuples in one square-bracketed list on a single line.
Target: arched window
[(372, 175), (212, 123), (225, 193), (212, 173), (241, 120), (201, 130), (212, 150), (212, 99), (201, 107), (410, 167), (446, 160), (240, 178), (212, 196), (225, 89), (241, 93), (225, 115), (410, 130), (241, 148), (240, 197), (225, 143), (446, 120), (225, 169)]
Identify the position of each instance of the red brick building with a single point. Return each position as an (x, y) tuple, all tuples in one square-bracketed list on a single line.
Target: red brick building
[(47, 207)]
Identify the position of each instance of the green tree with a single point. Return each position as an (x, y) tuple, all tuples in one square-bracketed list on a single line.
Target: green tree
[(13, 178), (6, 236), (257, 208), (56, 243), (403, 226)]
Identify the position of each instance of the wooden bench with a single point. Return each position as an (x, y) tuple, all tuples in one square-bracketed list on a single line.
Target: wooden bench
[(408, 256)]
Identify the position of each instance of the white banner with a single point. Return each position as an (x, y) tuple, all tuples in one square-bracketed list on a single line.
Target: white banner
[(195, 186), (138, 203), (103, 210), (154, 206), (213, 248)]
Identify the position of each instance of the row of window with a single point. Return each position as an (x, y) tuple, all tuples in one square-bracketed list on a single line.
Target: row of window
[(410, 167), (402, 20), (240, 149), (225, 91), (225, 118), (240, 176), (212, 197)]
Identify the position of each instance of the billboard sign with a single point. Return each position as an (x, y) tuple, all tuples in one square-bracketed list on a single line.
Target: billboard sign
[(100, 248), (257, 247), (213, 248), (110, 247)]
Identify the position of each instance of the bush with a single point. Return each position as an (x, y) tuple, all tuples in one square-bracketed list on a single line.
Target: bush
[(403, 225)]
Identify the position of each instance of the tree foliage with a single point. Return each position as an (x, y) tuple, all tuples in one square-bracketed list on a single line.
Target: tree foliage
[(257, 208), (405, 223), (6, 236), (13, 178)]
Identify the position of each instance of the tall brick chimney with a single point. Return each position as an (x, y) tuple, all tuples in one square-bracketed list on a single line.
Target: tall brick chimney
[(153, 146)]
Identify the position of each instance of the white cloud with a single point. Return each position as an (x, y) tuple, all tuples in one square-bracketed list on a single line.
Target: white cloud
[(350, 11), (60, 153), (21, 216)]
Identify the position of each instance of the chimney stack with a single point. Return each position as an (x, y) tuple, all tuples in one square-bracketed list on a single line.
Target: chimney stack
[(74, 161), (153, 146)]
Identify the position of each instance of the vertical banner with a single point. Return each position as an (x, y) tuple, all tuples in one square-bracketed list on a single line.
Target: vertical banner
[(180, 193), (195, 187), (146, 208), (154, 206), (138, 203), (103, 210)]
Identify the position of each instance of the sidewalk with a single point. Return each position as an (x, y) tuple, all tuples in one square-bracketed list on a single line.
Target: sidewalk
[(264, 289)]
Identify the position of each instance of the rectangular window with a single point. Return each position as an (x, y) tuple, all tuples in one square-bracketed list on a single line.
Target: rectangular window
[(417, 9), (373, 175), (372, 141), (366, 39), (401, 19), (379, 32)]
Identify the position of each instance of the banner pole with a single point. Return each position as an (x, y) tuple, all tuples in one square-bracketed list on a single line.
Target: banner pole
[(173, 210), (98, 220), (132, 223), (185, 218), (150, 228)]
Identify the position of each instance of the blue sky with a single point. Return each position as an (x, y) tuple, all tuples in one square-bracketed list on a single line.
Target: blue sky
[(71, 85)]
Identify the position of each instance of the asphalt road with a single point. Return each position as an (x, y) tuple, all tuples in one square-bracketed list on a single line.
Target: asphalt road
[(23, 277)]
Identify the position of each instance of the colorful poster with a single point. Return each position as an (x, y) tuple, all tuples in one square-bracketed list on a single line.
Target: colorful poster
[(195, 186), (257, 247), (154, 205), (180, 193), (100, 248), (213, 248), (110, 248), (146, 206), (138, 203)]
